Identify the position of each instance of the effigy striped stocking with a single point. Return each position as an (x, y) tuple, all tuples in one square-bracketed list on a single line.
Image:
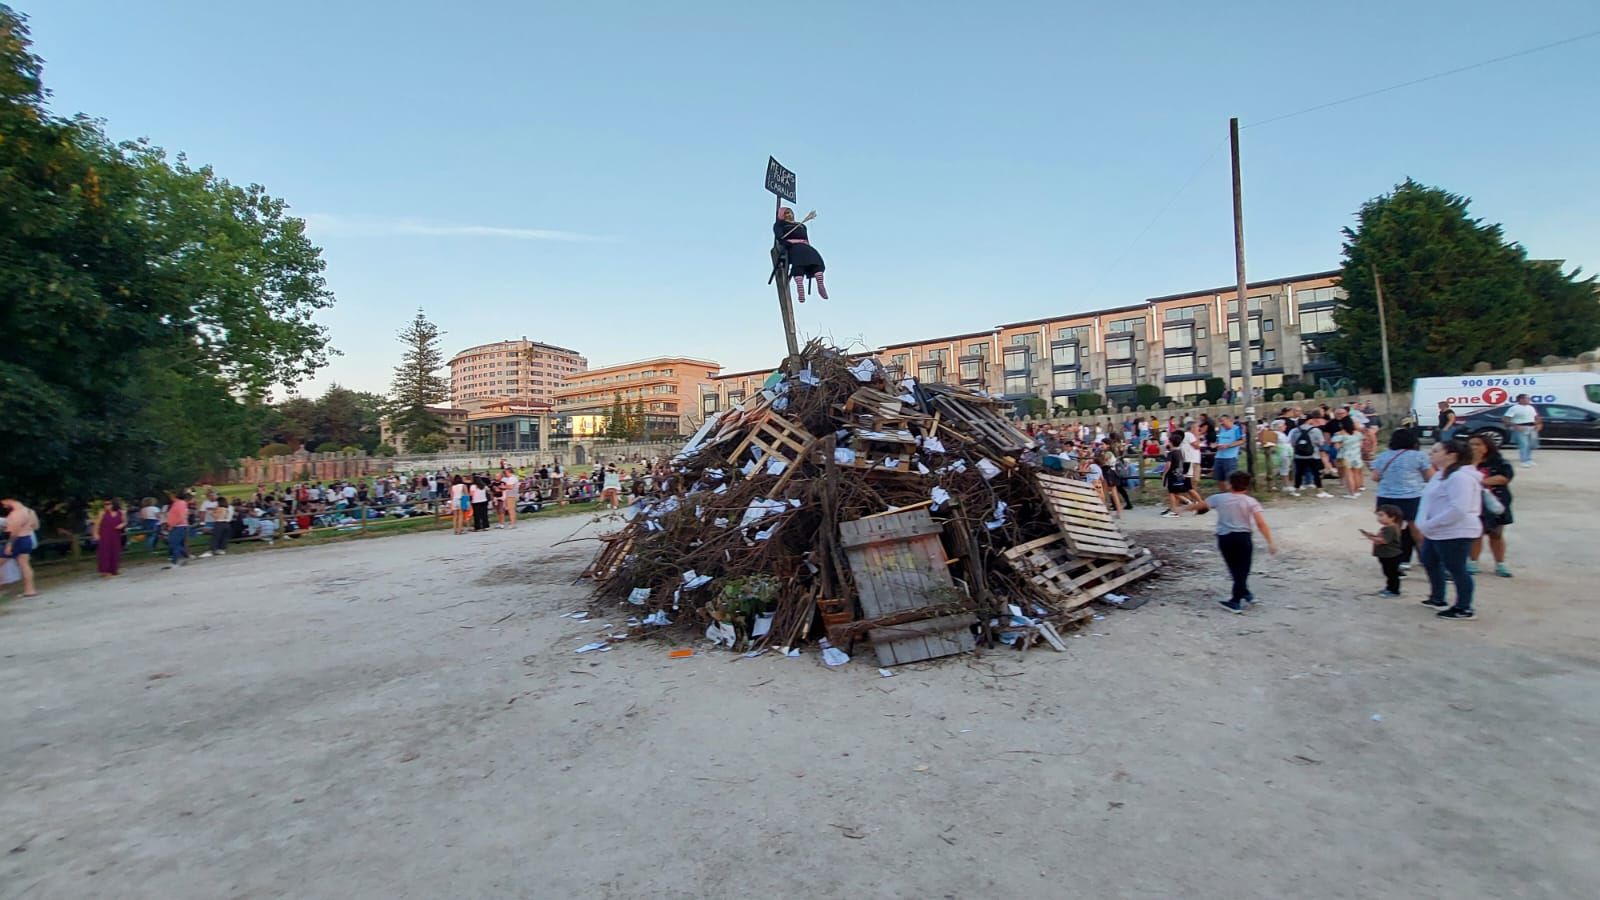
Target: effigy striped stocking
[(822, 289), (800, 288)]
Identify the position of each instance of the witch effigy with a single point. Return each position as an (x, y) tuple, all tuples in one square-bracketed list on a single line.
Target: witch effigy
[(802, 259)]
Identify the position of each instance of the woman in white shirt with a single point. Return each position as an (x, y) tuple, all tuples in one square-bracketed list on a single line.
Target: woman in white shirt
[(1450, 520)]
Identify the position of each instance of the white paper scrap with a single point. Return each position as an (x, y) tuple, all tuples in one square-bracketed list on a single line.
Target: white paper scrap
[(864, 370), (932, 444), (776, 466), (921, 469), (844, 456), (890, 462), (638, 596), (659, 617), (885, 673), (999, 516), (748, 468), (602, 646), (989, 469), (940, 497), (763, 624)]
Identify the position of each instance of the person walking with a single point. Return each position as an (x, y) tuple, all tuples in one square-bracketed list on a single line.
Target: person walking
[(1401, 473), (150, 521), (1450, 520), (459, 504), (1351, 464), (1525, 424), (1239, 516), (511, 494), (22, 526), (108, 534), (1230, 437), (221, 518), (1496, 472), (177, 529)]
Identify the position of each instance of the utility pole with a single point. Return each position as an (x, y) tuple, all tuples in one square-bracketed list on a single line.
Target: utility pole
[(1383, 341), (1243, 301), (781, 183)]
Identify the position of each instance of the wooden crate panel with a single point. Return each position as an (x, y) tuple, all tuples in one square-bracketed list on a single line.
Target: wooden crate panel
[(897, 560), (1082, 517), (926, 639)]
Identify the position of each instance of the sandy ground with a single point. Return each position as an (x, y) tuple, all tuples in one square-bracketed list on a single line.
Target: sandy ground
[(406, 718)]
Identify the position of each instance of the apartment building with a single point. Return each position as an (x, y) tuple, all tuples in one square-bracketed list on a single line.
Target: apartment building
[(728, 391), (671, 388), (1174, 343), (511, 370), (455, 425)]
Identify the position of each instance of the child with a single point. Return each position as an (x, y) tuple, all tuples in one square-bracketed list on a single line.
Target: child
[(1239, 515), (1386, 547)]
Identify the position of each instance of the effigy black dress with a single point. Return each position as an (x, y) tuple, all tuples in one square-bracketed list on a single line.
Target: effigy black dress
[(803, 258)]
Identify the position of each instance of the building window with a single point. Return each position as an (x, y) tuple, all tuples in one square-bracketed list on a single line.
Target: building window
[(1255, 330), (708, 403), (1016, 360), (1133, 324), (971, 370), (1176, 313), (1139, 344), (1266, 325), (1016, 385), (735, 398), (1314, 296), (1119, 348), (1270, 356), (1316, 321), (900, 361), (936, 356), (1062, 382), (979, 349), (1119, 375), (1202, 363), (1072, 332), (1311, 354), (1063, 355), (1254, 304), (1179, 337), (1143, 372), (1029, 340), (930, 372), (1181, 364)]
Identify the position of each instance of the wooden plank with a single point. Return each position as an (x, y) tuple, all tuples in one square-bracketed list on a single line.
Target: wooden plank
[(926, 639), (890, 512), (1021, 549), (1106, 587)]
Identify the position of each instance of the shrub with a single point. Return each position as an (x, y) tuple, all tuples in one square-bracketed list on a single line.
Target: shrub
[(1147, 395), (384, 450), (274, 449), (1214, 389), (1086, 401)]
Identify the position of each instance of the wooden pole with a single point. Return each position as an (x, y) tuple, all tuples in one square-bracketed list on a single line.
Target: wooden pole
[(1244, 303), (1383, 341)]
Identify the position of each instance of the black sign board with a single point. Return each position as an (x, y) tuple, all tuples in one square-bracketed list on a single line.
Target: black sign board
[(780, 181)]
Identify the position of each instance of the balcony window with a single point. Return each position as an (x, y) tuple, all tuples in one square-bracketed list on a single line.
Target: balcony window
[(1016, 385), (936, 356), (1063, 355), (1177, 313), (1179, 337), (900, 361), (1017, 360), (1117, 376), (979, 349), (708, 403), (1029, 340), (735, 398), (1063, 382), (971, 371), (1311, 354), (1255, 330), (1311, 297), (1181, 364), (1073, 332), (930, 372), (1127, 326), (1316, 321), (1119, 348)]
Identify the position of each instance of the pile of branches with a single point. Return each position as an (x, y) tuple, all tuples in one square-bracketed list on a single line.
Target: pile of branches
[(731, 511)]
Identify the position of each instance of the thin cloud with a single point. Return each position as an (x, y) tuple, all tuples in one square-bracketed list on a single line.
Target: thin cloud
[(372, 226)]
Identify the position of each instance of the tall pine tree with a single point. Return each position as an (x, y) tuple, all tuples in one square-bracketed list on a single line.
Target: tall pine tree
[(417, 386)]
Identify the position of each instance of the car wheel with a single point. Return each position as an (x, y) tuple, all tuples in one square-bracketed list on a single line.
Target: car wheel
[(1494, 437)]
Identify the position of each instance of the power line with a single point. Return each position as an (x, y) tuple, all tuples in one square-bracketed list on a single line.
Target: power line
[(1163, 211), (1426, 78)]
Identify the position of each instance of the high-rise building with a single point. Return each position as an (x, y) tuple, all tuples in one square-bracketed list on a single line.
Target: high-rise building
[(668, 387), (511, 370)]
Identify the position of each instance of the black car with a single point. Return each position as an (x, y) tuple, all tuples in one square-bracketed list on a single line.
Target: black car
[(1564, 426)]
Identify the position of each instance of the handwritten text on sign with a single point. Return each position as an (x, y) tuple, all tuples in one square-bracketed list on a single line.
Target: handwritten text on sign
[(780, 181)]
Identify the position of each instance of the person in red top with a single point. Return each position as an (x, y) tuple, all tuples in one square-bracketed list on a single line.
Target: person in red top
[(178, 528)]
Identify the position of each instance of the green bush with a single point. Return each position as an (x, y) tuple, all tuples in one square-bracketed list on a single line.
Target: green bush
[(1087, 401), (1146, 395), (274, 449), (384, 450), (1214, 389)]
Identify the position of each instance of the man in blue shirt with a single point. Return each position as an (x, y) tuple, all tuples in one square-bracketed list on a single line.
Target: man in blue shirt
[(1230, 437)]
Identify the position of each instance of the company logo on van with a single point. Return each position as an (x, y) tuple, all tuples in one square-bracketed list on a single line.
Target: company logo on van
[(1494, 397)]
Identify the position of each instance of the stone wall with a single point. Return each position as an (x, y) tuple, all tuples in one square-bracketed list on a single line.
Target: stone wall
[(1264, 409), (303, 466)]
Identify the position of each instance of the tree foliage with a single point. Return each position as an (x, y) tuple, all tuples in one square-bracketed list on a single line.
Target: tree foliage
[(1455, 292), (341, 417), (147, 305), (417, 386), (617, 428)]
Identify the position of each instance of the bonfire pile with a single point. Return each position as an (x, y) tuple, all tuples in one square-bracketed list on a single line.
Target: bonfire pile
[(838, 502)]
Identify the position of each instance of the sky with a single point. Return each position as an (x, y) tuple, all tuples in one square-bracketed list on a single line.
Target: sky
[(591, 174)]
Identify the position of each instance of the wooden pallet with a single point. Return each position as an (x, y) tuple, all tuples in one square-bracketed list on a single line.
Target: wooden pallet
[(1082, 517), (614, 549), (898, 563), (776, 437), (970, 415), (1075, 580)]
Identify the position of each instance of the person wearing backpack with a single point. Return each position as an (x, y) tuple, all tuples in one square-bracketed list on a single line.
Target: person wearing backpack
[(1303, 441)]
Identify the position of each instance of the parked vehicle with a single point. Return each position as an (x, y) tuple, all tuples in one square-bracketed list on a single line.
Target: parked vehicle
[(1564, 425), (1470, 395)]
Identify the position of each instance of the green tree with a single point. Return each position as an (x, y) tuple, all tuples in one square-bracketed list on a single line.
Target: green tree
[(1455, 292), (1146, 395), (1086, 400), (617, 421), (418, 386), (1215, 387), (636, 422), (147, 305)]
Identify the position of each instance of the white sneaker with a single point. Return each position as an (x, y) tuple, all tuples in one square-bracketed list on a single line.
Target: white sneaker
[(1324, 495), (1352, 496), (1527, 465), (205, 555)]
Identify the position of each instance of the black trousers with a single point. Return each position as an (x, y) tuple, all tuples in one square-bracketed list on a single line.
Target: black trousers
[(1391, 573), (1409, 507), (480, 516), (1237, 548), (1304, 467)]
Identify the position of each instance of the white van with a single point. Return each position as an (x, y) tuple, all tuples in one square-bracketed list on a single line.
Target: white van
[(1468, 394)]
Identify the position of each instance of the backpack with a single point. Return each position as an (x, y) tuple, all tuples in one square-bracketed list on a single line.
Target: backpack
[(1304, 446)]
